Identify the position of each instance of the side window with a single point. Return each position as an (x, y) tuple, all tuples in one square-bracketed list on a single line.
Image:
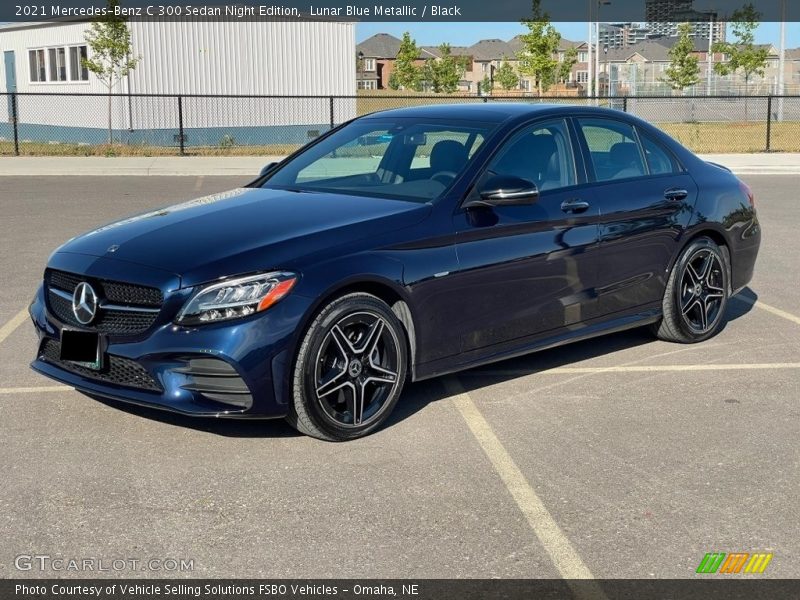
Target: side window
[(541, 154), (659, 159), (613, 148)]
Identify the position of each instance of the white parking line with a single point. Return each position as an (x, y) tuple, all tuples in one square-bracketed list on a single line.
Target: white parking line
[(564, 556), (17, 320), (777, 311), (34, 390), (634, 369)]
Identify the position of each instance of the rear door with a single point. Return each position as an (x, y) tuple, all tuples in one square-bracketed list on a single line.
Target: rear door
[(529, 269), (644, 197)]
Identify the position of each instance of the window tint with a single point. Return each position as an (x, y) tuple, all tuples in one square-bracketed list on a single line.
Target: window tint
[(613, 148), (659, 159), (541, 154)]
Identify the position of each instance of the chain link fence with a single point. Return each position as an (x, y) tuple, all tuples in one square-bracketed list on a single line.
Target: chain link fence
[(154, 125)]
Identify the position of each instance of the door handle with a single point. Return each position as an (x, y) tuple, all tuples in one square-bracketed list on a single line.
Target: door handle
[(675, 194), (574, 206)]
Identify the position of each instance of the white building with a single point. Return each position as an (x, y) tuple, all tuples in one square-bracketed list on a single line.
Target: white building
[(292, 57)]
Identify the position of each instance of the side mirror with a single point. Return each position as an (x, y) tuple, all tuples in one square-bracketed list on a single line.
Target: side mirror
[(505, 190), (267, 168)]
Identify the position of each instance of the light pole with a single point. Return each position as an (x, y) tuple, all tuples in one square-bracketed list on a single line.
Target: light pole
[(359, 67), (782, 61), (590, 62), (597, 49), (710, 57)]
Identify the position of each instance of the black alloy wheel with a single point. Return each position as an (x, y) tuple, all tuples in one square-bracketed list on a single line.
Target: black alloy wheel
[(350, 369), (696, 295)]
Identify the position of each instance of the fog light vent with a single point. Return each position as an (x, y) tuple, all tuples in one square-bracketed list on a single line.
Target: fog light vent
[(216, 380)]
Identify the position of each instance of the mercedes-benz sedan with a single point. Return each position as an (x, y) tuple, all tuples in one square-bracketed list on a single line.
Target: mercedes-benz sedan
[(400, 246)]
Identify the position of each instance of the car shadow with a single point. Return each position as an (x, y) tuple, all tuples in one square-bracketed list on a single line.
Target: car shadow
[(421, 394)]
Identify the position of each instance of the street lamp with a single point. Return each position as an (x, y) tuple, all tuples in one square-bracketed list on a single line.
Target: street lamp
[(600, 3), (359, 67)]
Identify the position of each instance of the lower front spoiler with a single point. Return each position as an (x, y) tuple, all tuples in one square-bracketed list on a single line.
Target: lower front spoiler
[(141, 398)]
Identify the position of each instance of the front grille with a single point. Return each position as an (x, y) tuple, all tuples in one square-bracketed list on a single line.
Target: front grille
[(125, 293), (110, 321), (118, 370)]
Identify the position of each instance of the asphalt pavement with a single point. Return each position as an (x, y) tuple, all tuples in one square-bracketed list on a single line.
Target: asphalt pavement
[(617, 457)]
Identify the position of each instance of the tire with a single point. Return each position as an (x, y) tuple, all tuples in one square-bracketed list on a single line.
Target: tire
[(349, 370), (696, 295)]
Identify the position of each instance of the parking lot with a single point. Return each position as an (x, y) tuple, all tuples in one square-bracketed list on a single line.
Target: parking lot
[(619, 457)]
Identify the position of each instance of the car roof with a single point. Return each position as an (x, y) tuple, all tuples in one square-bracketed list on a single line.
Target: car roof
[(493, 111)]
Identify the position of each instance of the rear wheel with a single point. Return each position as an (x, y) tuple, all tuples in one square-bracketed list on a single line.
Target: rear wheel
[(696, 295), (350, 369)]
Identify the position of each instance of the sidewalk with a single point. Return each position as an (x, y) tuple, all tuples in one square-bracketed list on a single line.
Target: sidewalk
[(249, 166)]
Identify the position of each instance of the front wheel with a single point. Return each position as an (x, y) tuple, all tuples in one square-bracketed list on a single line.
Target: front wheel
[(696, 295), (349, 370)]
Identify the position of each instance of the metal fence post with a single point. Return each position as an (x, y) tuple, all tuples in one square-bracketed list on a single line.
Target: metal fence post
[(331, 112), (181, 137), (15, 123), (769, 124), (624, 104)]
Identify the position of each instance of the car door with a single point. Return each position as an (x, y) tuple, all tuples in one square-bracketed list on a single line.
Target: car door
[(527, 269), (644, 198)]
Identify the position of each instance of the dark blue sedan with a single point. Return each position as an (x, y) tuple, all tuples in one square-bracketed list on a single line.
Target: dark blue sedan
[(400, 246)]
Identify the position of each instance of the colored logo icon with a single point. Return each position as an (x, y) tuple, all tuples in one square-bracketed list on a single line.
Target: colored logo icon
[(734, 562)]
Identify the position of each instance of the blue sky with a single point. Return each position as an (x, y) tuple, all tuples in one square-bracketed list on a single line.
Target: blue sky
[(466, 34)]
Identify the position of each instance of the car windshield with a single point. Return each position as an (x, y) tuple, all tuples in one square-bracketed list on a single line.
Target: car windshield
[(406, 159)]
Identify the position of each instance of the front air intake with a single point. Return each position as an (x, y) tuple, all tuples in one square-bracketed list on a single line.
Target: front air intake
[(216, 380)]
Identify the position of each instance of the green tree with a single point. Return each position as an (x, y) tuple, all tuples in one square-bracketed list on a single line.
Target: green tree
[(565, 66), (486, 85), (110, 59), (444, 73), (743, 55), (683, 70), (538, 56), (506, 77), (407, 75)]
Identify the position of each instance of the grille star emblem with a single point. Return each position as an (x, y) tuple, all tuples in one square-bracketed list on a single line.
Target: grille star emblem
[(84, 303)]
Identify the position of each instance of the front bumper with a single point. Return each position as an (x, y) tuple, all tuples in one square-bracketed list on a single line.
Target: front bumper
[(188, 370)]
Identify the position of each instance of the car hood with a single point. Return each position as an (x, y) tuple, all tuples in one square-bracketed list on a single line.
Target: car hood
[(244, 230)]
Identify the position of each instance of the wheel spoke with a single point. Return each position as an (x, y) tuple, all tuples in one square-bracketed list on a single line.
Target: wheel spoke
[(373, 337), (715, 288), (693, 301), (357, 405), (343, 342), (333, 384), (379, 374), (706, 269), (714, 295), (703, 315), (693, 275)]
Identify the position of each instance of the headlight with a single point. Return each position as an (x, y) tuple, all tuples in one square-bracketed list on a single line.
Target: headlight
[(236, 298)]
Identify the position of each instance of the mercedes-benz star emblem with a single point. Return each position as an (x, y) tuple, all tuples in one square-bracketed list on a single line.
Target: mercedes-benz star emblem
[(84, 303)]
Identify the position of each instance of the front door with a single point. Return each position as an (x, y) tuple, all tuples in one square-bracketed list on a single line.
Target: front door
[(528, 269), (11, 80)]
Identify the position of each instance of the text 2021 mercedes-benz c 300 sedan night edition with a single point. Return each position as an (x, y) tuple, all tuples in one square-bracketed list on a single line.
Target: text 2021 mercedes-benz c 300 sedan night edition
[(400, 246)]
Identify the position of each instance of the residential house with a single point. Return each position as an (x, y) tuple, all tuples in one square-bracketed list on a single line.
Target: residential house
[(375, 58)]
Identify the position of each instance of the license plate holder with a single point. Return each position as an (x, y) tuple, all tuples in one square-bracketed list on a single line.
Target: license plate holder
[(84, 348)]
